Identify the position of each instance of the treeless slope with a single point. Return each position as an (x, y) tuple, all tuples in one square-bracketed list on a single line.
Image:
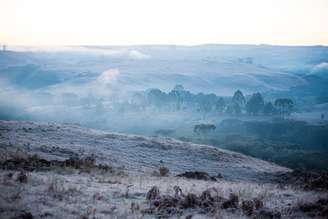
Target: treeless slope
[(135, 153)]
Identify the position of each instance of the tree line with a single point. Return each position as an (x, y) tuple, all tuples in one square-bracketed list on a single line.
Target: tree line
[(179, 99)]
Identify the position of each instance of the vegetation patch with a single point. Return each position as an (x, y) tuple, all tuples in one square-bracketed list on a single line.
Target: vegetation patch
[(316, 209), (35, 163), (305, 180), (208, 202), (199, 175)]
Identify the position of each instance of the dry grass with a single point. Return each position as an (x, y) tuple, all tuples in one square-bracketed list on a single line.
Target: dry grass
[(124, 196), (89, 190)]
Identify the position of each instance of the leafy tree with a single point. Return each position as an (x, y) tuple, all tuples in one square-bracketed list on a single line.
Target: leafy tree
[(238, 98), (255, 104), (179, 96), (284, 105), (204, 128), (237, 103)]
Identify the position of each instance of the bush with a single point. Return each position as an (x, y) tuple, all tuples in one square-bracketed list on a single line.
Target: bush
[(164, 171)]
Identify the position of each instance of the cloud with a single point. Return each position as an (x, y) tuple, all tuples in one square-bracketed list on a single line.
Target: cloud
[(108, 76), (115, 53), (104, 85), (135, 54), (320, 70)]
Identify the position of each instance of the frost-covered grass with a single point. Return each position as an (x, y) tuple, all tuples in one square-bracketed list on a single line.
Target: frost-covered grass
[(141, 154), (74, 195), (61, 192)]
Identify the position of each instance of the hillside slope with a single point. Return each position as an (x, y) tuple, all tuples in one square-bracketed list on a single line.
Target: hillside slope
[(64, 181), (135, 153)]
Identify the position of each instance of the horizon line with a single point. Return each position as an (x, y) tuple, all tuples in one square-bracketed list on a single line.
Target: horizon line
[(163, 44)]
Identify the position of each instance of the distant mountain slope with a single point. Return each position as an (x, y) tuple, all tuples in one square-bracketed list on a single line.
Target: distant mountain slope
[(135, 153), (205, 68)]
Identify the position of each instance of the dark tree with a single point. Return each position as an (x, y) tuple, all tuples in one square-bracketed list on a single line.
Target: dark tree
[(179, 96), (238, 98), (255, 104), (204, 128), (284, 106)]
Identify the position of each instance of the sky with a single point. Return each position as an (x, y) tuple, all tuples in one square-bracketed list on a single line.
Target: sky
[(185, 22)]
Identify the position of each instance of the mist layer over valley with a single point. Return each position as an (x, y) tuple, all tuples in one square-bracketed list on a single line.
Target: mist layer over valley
[(233, 131), (133, 90), (73, 78)]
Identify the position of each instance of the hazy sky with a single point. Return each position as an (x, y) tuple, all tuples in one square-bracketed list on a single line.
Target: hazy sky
[(98, 22)]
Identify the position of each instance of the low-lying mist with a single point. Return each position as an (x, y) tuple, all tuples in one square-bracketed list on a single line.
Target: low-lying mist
[(219, 95)]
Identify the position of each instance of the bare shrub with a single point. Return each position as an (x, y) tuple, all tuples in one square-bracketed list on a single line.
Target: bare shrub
[(164, 171), (153, 193), (197, 175), (209, 201), (266, 213), (248, 207), (21, 177), (166, 205), (190, 201), (32, 163), (177, 191), (258, 203), (25, 215), (232, 202), (318, 208)]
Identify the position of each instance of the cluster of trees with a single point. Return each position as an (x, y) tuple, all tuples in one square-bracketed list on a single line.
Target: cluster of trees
[(177, 99), (181, 99), (256, 105)]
